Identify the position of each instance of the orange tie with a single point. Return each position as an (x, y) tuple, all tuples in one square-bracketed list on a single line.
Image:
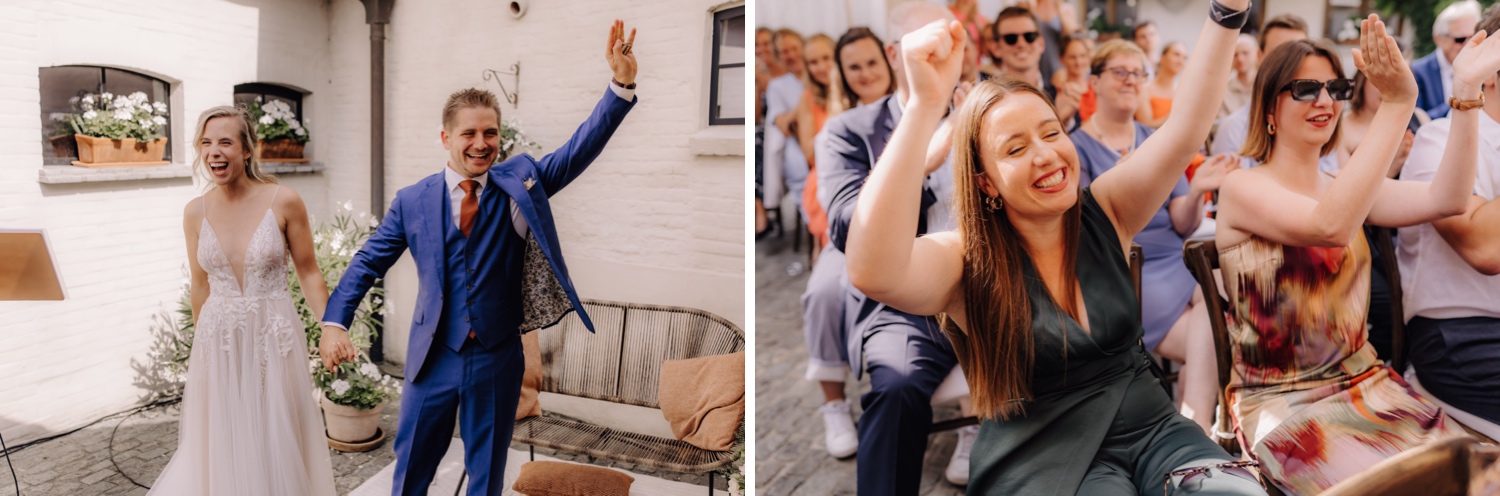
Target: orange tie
[(469, 207)]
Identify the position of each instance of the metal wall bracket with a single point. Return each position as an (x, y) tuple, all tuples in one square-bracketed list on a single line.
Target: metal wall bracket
[(513, 97)]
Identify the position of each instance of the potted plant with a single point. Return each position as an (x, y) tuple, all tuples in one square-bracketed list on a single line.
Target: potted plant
[(513, 140), (114, 131), (352, 396), (281, 135)]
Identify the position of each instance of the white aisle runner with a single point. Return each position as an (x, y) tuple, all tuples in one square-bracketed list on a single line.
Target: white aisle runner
[(452, 468)]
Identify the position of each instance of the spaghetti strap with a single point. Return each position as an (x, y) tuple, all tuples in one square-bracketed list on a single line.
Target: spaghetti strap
[(203, 200), (273, 195)]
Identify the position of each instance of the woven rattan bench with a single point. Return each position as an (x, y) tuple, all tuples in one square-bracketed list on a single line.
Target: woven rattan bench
[(621, 363)]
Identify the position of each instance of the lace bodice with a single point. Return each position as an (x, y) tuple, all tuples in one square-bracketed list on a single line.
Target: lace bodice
[(264, 261)]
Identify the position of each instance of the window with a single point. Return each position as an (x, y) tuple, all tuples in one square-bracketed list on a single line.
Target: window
[(726, 97), (60, 85), (245, 94)]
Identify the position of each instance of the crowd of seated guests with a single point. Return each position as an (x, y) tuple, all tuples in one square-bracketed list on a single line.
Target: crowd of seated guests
[(1307, 160)]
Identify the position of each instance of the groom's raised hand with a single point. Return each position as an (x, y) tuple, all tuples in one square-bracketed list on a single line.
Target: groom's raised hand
[(620, 53)]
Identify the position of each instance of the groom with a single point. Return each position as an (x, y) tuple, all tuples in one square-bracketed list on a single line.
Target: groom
[(488, 268)]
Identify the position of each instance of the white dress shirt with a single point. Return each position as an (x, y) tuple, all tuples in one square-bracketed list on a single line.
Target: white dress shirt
[(1445, 73), (1435, 280)]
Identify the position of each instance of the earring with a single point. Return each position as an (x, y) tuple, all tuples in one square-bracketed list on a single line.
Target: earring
[(1271, 128), (994, 203)]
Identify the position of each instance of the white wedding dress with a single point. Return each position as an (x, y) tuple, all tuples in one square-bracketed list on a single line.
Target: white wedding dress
[(249, 423)]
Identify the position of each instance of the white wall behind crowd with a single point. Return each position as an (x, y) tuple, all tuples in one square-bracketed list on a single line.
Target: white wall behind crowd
[(658, 219)]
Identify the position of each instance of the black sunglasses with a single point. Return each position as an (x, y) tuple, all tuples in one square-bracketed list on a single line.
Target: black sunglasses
[(1460, 39), (1307, 90), (1010, 39)]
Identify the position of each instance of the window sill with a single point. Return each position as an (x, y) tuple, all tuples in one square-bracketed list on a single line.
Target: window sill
[(718, 140), (67, 174), (291, 167)]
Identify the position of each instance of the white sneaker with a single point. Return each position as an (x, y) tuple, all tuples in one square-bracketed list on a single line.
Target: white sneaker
[(958, 467), (838, 429)]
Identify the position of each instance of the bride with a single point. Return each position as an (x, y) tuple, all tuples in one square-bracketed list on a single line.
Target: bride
[(249, 425)]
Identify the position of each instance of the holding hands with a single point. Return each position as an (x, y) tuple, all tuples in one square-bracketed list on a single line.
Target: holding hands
[(934, 58), (619, 53), (335, 347), (1380, 59)]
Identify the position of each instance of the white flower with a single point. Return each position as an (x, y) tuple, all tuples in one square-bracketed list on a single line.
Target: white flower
[(257, 99), (294, 124), (159, 120), (266, 120), (106, 95), (73, 101), (146, 123), (301, 132), (90, 114), (307, 120), (122, 114), (370, 370), (87, 99), (161, 108), (340, 386), (348, 206), (123, 104), (138, 97)]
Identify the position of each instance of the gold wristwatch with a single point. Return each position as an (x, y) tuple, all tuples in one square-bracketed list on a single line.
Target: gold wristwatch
[(1457, 104)]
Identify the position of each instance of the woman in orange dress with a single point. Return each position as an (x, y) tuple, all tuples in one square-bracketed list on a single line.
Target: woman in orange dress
[(1159, 93)]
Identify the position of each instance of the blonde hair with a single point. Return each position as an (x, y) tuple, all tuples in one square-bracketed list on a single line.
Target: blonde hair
[(468, 98), (1111, 49), (246, 136)]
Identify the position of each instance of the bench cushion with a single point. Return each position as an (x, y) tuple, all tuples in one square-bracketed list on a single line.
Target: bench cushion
[(571, 479), (601, 442), (704, 399)]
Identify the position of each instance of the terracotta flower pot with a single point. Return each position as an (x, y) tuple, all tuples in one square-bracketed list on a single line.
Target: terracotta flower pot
[(93, 150), (63, 145), (280, 148), (349, 424)]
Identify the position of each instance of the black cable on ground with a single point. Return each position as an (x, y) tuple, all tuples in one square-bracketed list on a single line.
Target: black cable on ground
[(112, 432), (125, 414), (13, 477)]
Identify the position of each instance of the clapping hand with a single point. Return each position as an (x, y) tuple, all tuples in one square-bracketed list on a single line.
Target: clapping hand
[(1380, 59), (619, 53), (1210, 174), (933, 57), (1479, 59)]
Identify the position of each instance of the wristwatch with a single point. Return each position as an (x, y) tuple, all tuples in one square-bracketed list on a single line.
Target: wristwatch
[(1457, 104), (630, 86)]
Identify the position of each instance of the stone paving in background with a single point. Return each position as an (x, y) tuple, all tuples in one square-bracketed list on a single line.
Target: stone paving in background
[(78, 464), (790, 457)]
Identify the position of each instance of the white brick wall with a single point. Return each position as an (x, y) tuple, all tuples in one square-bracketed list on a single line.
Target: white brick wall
[(119, 245), (651, 222)]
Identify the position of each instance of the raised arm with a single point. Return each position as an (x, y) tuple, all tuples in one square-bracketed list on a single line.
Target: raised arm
[(562, 166), (1133, 190), (915, 275), (1475, 235), (1405, 203), (1255, 203)]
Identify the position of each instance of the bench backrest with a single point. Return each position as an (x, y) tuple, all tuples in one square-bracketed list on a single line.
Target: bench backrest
[(621, 362)]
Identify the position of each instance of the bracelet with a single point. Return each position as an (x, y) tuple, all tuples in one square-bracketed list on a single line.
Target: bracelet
[(630, 86), (1457, 104), (1227, 17)]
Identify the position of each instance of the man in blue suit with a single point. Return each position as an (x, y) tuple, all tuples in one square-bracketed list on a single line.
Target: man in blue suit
[(488, 267), (1453, 27)]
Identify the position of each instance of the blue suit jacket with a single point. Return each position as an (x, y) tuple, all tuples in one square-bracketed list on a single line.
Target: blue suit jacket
[(854, 141), (415, 222), (1429, 75)]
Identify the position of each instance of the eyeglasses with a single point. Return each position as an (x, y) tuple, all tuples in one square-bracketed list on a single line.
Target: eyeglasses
[(1123, 75), (1460, 39), (1188, 474), (1307, 90), (1012, 38)]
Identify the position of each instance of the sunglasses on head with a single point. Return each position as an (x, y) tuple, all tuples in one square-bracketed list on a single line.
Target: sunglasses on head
[(1012, 38), (1307, 90)]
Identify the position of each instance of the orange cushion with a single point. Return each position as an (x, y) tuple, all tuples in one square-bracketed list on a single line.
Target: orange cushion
[(570, 479), (531, 348), (704, 399)]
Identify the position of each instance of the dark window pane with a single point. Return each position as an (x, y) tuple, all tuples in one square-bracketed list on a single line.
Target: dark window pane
[(732, 93), (62, 83), (732, 40)]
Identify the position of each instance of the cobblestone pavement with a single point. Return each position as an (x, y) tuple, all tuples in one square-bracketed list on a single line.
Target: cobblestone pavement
[(79, 464), (790, 457)]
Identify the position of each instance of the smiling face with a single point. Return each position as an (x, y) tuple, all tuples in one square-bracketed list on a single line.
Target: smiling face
[(472, 141), (1312, 122), (1027, 157), (1021, 56), (790, 50), (1076, 57), (864, 68), (221, 149), (1122, 94), (763, 50), (819, 58)]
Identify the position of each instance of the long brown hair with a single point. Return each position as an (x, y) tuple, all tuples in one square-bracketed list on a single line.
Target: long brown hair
[(1278, 69), (997, 350)]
